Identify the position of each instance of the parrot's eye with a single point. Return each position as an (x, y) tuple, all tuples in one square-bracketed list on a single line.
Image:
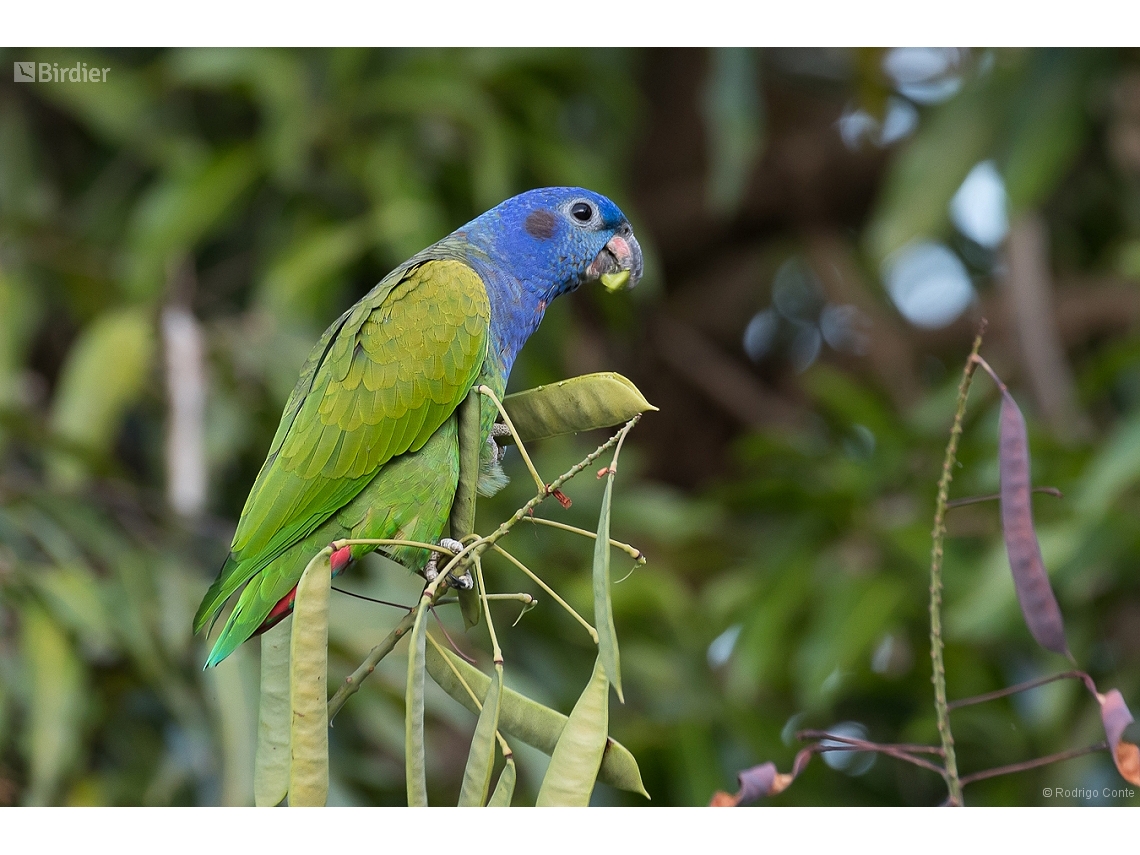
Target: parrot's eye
[(581, 212)]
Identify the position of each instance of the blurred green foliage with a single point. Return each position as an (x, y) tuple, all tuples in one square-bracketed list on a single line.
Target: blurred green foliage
[(265, 190)]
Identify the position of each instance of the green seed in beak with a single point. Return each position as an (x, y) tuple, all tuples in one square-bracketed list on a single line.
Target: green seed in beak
[(615, 281)]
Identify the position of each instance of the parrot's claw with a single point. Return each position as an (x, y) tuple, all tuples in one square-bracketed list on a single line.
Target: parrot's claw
[(431, 569), (498, 452)]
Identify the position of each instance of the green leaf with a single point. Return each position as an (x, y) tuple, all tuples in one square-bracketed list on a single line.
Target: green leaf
[(308, 681), (180, 210), (577, 757), (582, 403), (734, 124), (1048, 124), (71, 592), (126, 111), (603, 603), (526, 719), (477, 774), (292, 287), (415, 764), (923, 178), (55, 709), (271, 766), (105, 372)]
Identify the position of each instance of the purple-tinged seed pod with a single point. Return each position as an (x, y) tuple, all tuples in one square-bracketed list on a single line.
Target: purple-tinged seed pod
[(1034, 593)]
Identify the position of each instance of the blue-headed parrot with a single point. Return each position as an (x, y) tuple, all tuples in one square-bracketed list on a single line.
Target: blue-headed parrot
[(368, 443)]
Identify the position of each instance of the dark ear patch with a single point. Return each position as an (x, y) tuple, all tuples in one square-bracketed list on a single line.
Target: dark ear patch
[(540, 224)]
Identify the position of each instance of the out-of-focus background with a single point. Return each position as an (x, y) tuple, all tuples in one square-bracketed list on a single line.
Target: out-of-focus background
[(823, 229)]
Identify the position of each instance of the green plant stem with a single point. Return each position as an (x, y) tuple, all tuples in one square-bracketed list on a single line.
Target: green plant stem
[(434, 591), (534, 577), (351, 684), (938, 536), (504, 528), (632, 551), (523, 597), (507, 753)]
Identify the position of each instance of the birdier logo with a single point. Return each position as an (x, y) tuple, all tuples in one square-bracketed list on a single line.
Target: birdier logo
[(51, 72)]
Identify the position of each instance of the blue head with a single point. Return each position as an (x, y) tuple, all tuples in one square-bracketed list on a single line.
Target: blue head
[(543, 243)]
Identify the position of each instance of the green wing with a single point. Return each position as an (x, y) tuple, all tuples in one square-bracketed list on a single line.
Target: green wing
[(380, 382)]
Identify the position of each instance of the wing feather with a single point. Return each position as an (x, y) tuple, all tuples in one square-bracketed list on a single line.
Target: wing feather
[(379, 383)]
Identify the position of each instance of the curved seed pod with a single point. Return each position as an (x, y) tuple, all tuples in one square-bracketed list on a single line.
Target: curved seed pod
[(577, 757), (1034, 594), (569, 406), (308, 678), (415, 764), (1116, 717), (505, 788), (519, 716), (271, 766), (603, 604), (477, 774)]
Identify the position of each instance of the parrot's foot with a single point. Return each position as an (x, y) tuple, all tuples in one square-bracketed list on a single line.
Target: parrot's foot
[(498, 452), (431, 569)]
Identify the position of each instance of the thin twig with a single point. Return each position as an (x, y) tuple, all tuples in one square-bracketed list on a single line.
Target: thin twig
[(504, 528), (351, 685), (632, 551), (496, 653), (352, 682), (938, 535), (386, 541), (450, 640), (522, 597), (538, 581), (993, 497), (850, 744), (369, 599), (910, 747), (1033, 764), (470, 692), (486, 390), (1020, 687), (434, 591)]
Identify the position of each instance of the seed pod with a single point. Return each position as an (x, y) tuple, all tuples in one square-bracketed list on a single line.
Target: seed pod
[(308, 678), (505, 788), (603, 603), (480, 759), (271, 766), (1030, 579), (415, 764), (528, 720), (581, 403), (577, 757)]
